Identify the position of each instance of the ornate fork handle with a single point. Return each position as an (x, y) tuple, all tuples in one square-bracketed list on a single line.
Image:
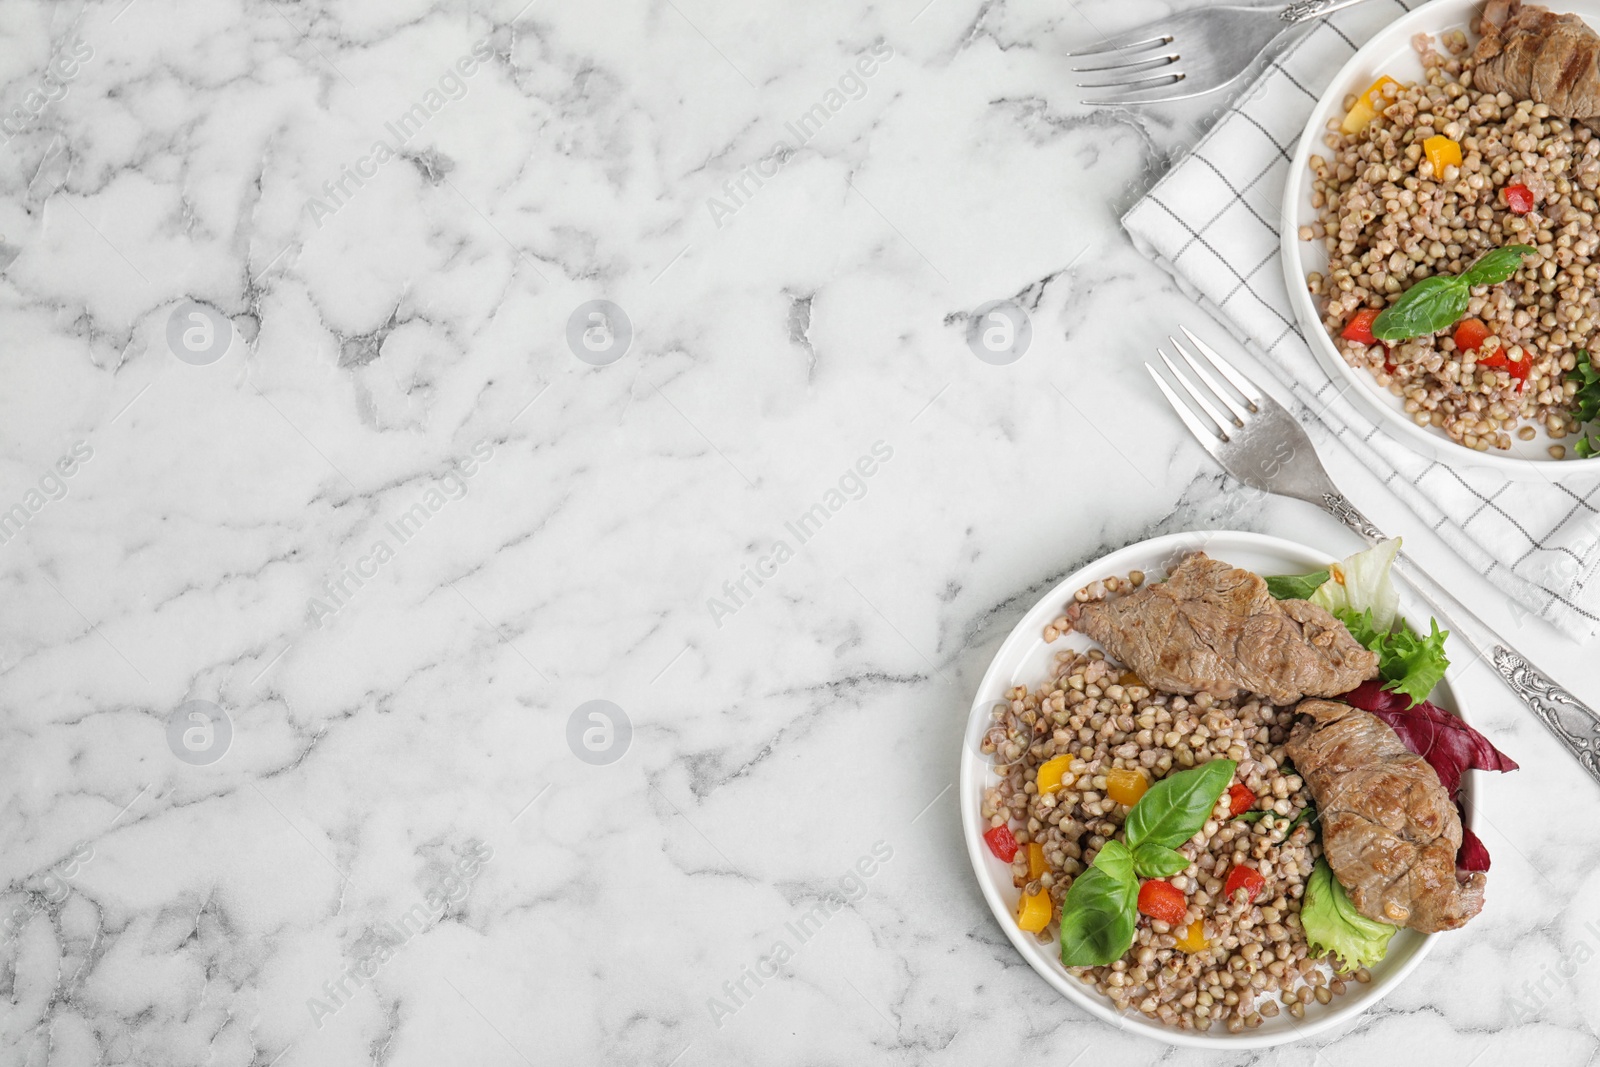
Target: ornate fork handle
[(1340, 508), (1564, 714), (1310, 9), (1573, 722)]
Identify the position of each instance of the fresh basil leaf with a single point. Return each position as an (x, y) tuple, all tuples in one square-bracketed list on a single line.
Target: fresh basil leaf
[(1296, 586), (1100, 910), (1177, 807), (1255, 815), (1427, 307), (1158, 861), (1307, 814), (1492, 268), (1436, 302), (1116, 859), (1098, 918)]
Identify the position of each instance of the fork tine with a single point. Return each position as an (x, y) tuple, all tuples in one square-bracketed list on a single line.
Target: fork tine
[(1130, 64), (1137, 84), (1239, 414), (1175, 89), (1209, 437), (1197, 395), (1129, 41), (1246, 388)]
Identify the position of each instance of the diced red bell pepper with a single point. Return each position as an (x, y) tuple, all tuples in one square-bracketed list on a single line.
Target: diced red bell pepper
[(1359, 328), (1520, 369), (1519, 198), (1247, 878), (1163, 902), (1470, 334), (1240, 799), (1001, 842)]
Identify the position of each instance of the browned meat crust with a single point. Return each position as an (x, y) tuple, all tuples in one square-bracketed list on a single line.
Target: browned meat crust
[(1215, 628), (1532, 53), (1389, 829)]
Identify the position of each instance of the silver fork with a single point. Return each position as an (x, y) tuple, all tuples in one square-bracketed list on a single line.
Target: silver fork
[(1194, 52), (1258, 442)]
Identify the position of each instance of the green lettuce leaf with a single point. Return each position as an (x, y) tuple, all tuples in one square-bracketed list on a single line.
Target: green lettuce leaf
[(1362, 583), (1359, 623), (1332, 923), (1413, 665), (1408, 663), (1586, 405)]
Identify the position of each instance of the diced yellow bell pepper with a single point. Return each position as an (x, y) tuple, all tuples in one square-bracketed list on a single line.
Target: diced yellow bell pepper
[(1194, 938), (1051, 773), (1036, 864), (1358, 117), (1375, 90), (1126, 786), (1367, 106), (1442, 152), (1033, 911)]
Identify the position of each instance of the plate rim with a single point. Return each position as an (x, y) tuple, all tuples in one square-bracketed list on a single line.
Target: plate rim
[(1427, 442), (972, 780)]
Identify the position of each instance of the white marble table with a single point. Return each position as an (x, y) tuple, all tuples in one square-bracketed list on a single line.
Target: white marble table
[(384, 518)]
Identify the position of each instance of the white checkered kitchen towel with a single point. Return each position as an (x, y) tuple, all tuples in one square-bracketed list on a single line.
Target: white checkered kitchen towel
[(1213, 222)]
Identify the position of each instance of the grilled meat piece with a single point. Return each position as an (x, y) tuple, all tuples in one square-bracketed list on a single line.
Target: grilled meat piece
[(1535, 54), (1389, 829), (1215, 628)]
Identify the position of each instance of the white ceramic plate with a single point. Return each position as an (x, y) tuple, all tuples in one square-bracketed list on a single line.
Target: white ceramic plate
[(1390, 53), (1024, 659)]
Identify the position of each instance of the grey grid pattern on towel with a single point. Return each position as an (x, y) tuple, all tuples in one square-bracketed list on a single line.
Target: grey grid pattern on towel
[(1213, 222)]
